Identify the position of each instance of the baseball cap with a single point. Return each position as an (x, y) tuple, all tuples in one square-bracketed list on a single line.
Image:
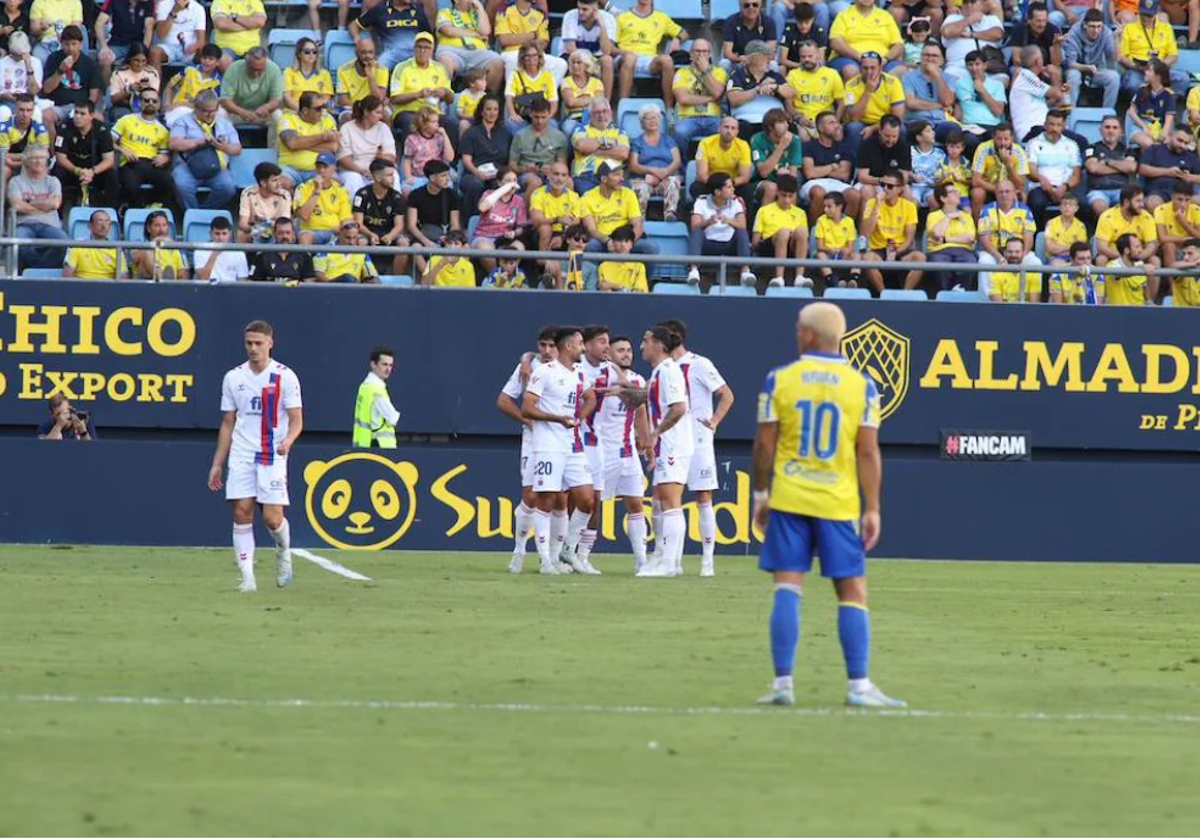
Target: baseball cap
[(326, 159), (423, 36), (757, 47), (607, 168), (1148, 7)]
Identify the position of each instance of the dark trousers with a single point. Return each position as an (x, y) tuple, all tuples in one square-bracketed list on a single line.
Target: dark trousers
[(144, 173), (102, 192), (950, 279)]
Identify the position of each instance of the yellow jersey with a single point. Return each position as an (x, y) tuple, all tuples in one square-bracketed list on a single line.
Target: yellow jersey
[(819, 402), (875, 31), (1185, 291), (593, 88), (686, 78), (1002, 225), (721, 159), (1193, 104), (459, 20), (459, 273), (957, 227), (958, 174), (772, 218), (1112, 224), (56, 13), (587, 164), (988, 164), (520, 84), (1060, 233), (553, 206), (610, 213), (835, 236), (643, 35), (1137, 42), (355, 85), (96, 263), (817, 91), (468, 102), (191, 83), (630, 276), (892, 221), (1125, 290), (11, 134), (1007, 284), (1165, 215), (512, 22), (890, 92), (332, 207), (305, 159), (240, 42), (296, 83), (358, 266), (408, 77), (1074, 288), (145, 138), (170, 258)]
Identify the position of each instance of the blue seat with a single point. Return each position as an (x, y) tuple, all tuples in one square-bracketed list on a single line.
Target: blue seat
[(77, 222), (1169, 300), (242, 166), (838, 293), (672, 239), (689, 177), (901, 294), (135, 223), (1039, 245), (281, 44), (339, 49), (627, 114), (42, 274), (734, 291), (196, 224), (396, 280), (556, 45), (472, 223), (681, 9), (789, 292), (1086, 121), (960, 297), (1188, 62), (676, 289)]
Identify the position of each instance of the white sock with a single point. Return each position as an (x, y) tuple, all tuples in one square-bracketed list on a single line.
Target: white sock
[(283, 536), (860, 685), (522, 528), (558, 533), (243, 548), (674, 530), (541, 530), (587, 541), (708, 532), (783, 684), (656, 513), (636, 527), (579, 522)]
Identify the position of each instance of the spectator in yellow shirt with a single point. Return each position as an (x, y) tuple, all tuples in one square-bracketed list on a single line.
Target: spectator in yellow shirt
[(1131, 289), (322, 203), (836, 234), (96, 263), (781, 230), (1185, 291), (864, 28), (1087, 289), (890, 226), (728, 153), (237, 27), (1130, 216), (610, 206), (952, 238), (159, 263), (1065, 230), (870, 96), (302, 137), (450, 272), (1143, 40), (622, 276), (361, 78), (1178, 221), (1005, 286), (640, 34), (342, 267)]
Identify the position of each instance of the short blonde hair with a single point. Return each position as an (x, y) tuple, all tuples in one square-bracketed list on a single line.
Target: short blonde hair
[(587, 58)]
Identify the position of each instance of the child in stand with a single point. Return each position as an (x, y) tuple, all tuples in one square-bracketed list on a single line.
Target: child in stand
[(835, 234), (956, 169), (427, 141), (622, 276), (468, 98), (508, 274), (1063, 231), (919, 31), (927, 160)]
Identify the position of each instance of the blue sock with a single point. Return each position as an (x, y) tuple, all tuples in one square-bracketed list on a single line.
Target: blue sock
[(854, 631), (785, 628)]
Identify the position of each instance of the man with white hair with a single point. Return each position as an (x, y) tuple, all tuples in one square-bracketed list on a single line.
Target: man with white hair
[(817, 478), (1031, 98), (21, 72), (35, 197)]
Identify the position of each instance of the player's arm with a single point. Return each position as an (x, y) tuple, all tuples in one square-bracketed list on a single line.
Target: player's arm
[(509, 408), (762, 460), (724, 396), (675, 413), (870, 479), (530, 411), (295, 427), (224, 439), (589, 402)]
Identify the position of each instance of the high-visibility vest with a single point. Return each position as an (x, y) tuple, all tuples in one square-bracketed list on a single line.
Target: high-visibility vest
[(365, 430)]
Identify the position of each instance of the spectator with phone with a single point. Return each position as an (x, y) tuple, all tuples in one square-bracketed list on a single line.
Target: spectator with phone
[(65, 422)]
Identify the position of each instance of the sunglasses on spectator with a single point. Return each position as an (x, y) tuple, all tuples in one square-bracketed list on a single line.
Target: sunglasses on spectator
[(308, 52), (750, 5), (890, 185)]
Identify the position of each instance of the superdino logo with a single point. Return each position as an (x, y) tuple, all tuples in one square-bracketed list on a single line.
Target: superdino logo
[(360, 500), (882, 354)]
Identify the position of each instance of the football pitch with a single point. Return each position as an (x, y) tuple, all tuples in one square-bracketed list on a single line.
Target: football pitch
[(140, 694)]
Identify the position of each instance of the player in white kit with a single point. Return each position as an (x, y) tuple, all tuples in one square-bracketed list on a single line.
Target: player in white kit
[(555, 400), (509, 403), (669, 444), (597, 376), (618, 420), (703, 382), (262, 418)]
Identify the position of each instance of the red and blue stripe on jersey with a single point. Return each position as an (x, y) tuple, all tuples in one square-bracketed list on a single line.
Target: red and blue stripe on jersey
[(589, 435), (270, 419), (577, 443), (655, 410)]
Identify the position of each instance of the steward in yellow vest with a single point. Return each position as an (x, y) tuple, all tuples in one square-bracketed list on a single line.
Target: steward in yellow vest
[(375, 417)]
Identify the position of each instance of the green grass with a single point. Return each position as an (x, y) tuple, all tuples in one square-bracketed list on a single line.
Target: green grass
[(984, 645)]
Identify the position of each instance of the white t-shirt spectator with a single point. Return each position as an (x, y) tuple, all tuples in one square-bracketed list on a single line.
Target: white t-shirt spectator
[(230, 266), (957, 48), (14, 75), (573, 31), (186, 22), (1027, 99), (706, 209), (1054, 161)]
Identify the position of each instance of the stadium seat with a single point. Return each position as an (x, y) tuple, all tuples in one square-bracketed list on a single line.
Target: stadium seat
[(281, 43), (732, 290), (556, 45), (42, 274), (672, 239), (396, 280), (196, 224), (77, 222), (960, 297), (339, 49), (721, 9), (627, 114), (676, 289), (1039, 245), (472, 223), (1189, 62), (902, 294), (789, 292), (681, 9), (242, 166), (838, 293), (689, 177), (1167, 301), (135, 223), (1086, 121)]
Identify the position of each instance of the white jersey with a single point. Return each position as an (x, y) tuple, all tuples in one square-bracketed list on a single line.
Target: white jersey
[(261, 401), (666, 388), (515, 389), (702, 380), (615, 420), (559, 391), (595, 376)]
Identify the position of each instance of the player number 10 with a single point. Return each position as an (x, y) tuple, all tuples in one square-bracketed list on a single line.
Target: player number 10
[(818, 428)]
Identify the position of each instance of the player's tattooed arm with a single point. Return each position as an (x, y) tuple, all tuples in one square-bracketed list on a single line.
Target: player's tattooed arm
[(527, 366), (629, 395)]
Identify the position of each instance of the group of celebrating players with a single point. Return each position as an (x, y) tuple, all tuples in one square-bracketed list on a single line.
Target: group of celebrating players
[(586, 418)]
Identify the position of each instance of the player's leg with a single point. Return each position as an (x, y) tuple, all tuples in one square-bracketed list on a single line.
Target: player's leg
[(547, 482), (787, 555), (625, 479), (587, 538), (656, 519), (523, 517), (635, 527), (579, 478), (243, 542), (558, 534), (702, 480), (272, 494), (669, 483)]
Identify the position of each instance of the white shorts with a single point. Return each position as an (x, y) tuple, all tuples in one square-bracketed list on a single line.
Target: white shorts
[(702, 475), (554, 472), (671, 469), (265, 483), (596, 458), (830, 185), (526, 467), (642, 64), (622, 476)]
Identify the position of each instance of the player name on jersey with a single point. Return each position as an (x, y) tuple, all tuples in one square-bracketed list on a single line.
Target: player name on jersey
[(985, 446)]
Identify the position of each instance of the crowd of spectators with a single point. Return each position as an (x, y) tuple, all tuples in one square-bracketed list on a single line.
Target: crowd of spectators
[(908, 132)]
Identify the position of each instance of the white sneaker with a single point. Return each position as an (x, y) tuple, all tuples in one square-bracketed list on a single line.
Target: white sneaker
[(564, 568), (586, 568), (748, 278), (654, 569), (778, 697), (247, 585), (549, 568), (872, 697), (706, 568), (693, 277), (803, 282), (775, 283), (516, 564), (283, 567)]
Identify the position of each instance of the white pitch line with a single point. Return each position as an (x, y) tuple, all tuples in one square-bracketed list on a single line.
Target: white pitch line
[(593, 709), (329, 565)]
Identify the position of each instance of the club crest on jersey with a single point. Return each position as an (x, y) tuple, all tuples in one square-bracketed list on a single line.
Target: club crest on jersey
[(882, 354), (360, 500)]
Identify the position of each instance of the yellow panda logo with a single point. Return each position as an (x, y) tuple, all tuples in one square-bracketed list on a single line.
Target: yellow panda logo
[(360, 500)]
